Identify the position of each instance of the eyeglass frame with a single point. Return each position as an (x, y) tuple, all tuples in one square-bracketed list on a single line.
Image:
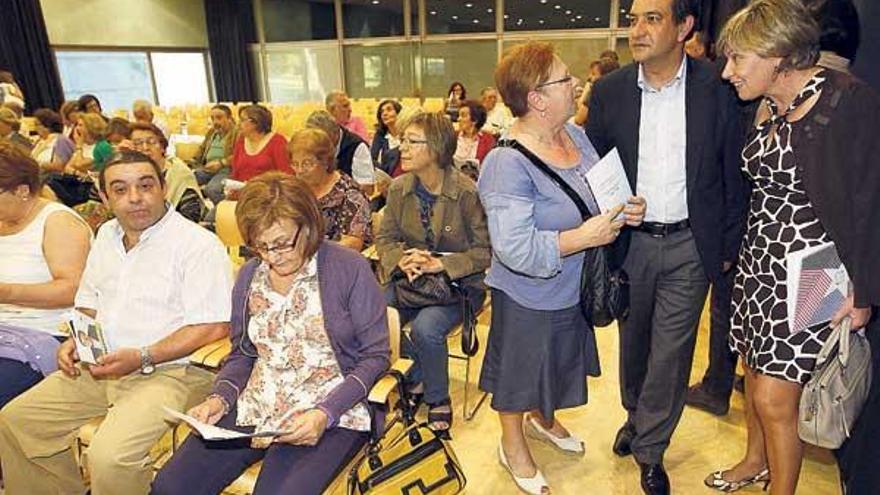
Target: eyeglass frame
[(152, 141), (409, 142), (564, 80), (265, 251)]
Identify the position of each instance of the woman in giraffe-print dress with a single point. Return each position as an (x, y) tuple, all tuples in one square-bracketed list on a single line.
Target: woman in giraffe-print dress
[(781, 221), (802, 196)]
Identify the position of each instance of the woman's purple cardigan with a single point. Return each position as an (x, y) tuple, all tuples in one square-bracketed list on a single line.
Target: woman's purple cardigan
[(355, 320)]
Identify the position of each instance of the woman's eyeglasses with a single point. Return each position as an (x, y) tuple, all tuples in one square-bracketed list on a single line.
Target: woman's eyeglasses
[(564, 80), (409, 141), (265, 251)]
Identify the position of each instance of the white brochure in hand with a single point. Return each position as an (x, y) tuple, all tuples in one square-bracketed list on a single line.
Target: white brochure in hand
[(211, 432), (608, 182)]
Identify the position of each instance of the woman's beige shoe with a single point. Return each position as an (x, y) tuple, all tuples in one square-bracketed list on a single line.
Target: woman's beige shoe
[(570, 444), (536, 485)]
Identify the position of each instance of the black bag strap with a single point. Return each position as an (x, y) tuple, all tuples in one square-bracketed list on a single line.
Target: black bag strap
[(543, 167)]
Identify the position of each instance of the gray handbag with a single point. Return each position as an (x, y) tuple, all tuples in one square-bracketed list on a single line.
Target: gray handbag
[(834, 396)]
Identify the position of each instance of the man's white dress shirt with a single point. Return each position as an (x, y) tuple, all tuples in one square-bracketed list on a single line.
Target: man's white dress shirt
[(662, 177), (177, 274)]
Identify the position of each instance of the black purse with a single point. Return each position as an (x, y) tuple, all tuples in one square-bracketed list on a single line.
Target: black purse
[(430, 289), (604, 292)]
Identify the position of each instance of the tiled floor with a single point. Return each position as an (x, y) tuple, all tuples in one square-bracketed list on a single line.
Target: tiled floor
[(702, 442)]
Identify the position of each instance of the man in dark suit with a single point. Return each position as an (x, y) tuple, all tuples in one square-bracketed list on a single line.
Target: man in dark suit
[(674, 123)]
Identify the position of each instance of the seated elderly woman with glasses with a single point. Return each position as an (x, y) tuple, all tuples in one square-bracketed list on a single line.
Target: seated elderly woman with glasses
[(433, 226), (309, 337), (343, 205)]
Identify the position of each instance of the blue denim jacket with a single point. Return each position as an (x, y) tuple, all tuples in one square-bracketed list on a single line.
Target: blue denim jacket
[(526, 211)]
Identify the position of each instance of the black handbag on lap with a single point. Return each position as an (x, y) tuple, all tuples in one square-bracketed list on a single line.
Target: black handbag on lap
[(430, 289), (604, 292)]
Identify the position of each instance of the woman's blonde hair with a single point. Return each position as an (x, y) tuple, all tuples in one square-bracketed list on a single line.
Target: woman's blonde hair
[(317, 143), (774, 28), (95, 125)]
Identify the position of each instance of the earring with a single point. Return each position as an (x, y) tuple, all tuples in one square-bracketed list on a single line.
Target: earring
[(543, 114)]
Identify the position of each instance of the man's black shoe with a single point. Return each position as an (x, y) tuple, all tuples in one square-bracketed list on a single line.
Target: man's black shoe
[(654, 479), (699, 397), (623, 441)]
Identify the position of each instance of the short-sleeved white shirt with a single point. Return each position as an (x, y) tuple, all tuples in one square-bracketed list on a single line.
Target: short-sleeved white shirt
[(178, 274)]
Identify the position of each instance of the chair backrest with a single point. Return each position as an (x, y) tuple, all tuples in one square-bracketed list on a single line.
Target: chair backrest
[(186, 151), (227, 230), (226, 225)]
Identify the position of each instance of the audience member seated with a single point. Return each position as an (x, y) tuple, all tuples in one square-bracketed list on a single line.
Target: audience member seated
[(9, 127), (89, 103), (257, 149), (44, 246), (10, 92), (181, 189), (92, 148), (75, 187), (339, 106), (53, 150), (142, 113), (433, 209), (215, 153), (119, 132), (454, 98), (352, 152), (498, 117), (309, 338), (69, 111), (827, 179), (345, 209), (385, 149), (473, 143), (598, 69), (159, 287)]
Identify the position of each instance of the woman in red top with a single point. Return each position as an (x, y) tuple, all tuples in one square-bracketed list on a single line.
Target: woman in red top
[(473, 144), (258, 149)]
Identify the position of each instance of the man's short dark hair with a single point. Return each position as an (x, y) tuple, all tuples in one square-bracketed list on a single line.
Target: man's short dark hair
[(683, 8), (125, 157), (225, 108)]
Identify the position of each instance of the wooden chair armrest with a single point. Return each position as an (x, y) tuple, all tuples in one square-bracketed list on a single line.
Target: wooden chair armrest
[(371, 253), (211, 356), (387, 384)]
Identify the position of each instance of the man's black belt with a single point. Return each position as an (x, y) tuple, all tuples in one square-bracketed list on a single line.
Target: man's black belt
[(657, 229)]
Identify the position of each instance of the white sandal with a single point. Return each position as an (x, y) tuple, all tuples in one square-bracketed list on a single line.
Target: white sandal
[(533, 486), (570, 444)]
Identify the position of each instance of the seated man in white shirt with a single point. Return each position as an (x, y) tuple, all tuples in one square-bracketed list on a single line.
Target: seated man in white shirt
[(498, 116), (160, 287)]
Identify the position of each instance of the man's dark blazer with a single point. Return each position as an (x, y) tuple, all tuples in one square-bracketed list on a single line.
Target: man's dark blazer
[(716, 188), (348, 144)]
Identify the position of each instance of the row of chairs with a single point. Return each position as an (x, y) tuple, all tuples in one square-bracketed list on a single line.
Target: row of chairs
[(287, 118)]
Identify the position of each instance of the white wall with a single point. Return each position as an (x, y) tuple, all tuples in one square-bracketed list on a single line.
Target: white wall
[(158, 23)]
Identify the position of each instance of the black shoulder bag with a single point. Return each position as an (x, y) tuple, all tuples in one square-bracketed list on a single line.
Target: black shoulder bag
[(604, 292)]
